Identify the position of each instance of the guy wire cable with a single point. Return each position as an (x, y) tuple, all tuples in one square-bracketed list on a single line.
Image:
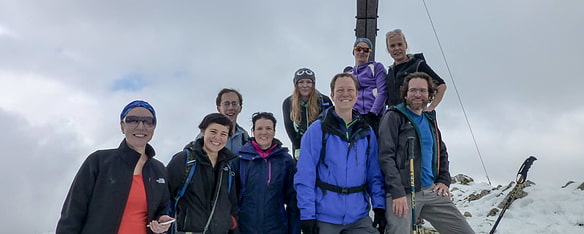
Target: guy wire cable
[(456, 91)]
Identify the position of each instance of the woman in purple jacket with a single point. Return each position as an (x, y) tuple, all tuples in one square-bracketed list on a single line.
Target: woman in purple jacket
[(371, 76)]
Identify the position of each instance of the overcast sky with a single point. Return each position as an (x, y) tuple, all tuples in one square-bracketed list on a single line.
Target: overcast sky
[(67, 68)]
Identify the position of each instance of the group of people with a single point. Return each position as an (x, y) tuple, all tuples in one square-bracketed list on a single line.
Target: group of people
[(352, 155)]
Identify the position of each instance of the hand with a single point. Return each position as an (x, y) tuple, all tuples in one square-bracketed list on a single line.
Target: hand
[(400, 206), (372, 115), (379, 221), (157, 227), (441, 189), (309, 226)]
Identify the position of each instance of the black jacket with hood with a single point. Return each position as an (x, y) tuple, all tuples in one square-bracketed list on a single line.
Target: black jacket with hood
[(98, 195), (394, 129), (198, 202)]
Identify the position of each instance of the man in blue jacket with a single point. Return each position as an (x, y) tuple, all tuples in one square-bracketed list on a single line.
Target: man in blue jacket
[(431, 173), (338, 175)]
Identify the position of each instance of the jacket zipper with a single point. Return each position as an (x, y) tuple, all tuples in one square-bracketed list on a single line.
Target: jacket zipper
[(214, 203)]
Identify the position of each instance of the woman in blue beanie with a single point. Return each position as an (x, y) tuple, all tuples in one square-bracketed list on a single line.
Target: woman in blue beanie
[(120, 190)]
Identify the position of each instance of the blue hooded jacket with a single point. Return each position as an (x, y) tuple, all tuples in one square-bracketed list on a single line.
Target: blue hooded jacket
[(265, 185), (346, 164)]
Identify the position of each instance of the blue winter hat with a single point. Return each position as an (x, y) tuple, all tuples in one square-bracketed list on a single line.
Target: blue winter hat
[(137, 103), (366, 40)]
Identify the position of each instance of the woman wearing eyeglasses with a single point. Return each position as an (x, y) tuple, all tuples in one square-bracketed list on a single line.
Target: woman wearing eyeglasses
[(120, 190), (371, 76), (267, 199), (209, 201), (302, 107), (405, 64)]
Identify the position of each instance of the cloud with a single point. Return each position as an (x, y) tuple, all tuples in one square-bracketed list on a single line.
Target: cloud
[(131, 82), (5, 32), (67, 68), (40, 163)]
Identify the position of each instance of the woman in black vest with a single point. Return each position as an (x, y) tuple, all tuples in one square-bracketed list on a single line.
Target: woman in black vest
[(405, 64)]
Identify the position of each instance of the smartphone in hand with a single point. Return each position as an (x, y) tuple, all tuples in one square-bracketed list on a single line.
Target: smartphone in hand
[(169, 221)]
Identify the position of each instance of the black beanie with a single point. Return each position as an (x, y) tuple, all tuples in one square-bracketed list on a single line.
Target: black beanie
[(303, 73)]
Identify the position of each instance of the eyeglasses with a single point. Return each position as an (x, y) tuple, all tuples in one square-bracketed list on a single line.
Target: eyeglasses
[(134, 121), (359, 49), (416, 90), (233, 103), (305, 71), (393, 32)]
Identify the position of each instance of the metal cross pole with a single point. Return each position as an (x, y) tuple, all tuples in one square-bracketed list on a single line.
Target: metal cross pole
[(367, 22)]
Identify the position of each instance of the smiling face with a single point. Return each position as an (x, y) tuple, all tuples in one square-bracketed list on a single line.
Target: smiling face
[(397, 48), (417, 96), (361, 56), (264, 132), (214, 137), (305, 87), (230, 106), (344, 94), (137, 136)]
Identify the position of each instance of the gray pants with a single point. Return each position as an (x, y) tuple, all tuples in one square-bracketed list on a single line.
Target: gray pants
[(364, 225), (438, 210)]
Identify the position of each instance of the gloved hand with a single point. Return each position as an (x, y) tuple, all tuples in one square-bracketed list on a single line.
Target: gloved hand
[(372, 116), (309, 226), (379, 221)]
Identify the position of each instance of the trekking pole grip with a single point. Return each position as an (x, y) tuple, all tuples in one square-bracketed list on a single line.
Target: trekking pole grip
[(411, 147), (522, 174)]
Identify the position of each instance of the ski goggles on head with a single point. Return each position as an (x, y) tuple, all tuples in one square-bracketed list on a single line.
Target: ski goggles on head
[(393, 32), (359, 49), (134, 121), (304, 71)]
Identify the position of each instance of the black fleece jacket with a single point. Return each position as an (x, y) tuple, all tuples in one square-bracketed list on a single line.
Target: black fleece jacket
[(195, 207), (97, 198)]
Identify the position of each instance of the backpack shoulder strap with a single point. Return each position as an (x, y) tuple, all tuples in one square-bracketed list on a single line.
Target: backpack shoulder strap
[(245, 138), (229, 169), (190, 167), (419, 60)]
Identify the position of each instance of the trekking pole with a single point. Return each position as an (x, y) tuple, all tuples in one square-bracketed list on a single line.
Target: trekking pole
[(521, 177), (412, 182)]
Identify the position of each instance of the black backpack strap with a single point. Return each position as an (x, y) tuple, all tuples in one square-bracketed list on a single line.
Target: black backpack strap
[(334, 188), (338, 189)]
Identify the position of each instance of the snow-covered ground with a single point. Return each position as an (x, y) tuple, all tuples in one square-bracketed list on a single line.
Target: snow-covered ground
[(549, 210), (558, 209)]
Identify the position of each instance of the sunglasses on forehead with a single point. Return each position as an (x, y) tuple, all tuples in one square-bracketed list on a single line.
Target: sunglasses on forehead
[(393, 32), (359, 49), (306, 71), (134, 121)]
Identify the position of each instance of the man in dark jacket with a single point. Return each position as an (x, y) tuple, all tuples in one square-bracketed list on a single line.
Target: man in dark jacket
[(431, 173)]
